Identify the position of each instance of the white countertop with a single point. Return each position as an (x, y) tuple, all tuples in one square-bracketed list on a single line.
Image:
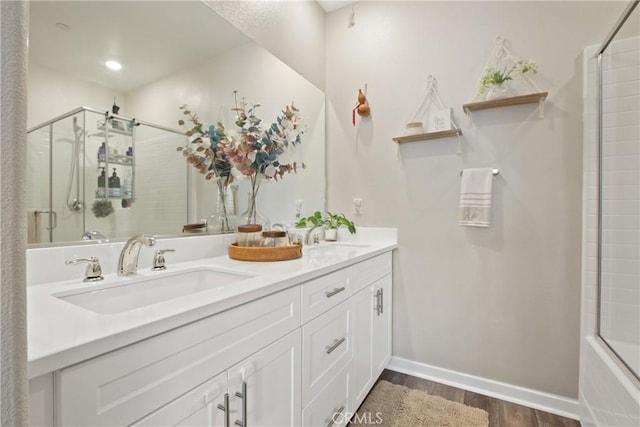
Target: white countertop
[(61, 334)]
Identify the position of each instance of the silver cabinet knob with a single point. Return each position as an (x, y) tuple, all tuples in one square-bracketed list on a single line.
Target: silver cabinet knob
[(93, 272)]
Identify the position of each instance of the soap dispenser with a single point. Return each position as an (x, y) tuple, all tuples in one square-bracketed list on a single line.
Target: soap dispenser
[(101, 184), (102, 152), (114, 184)]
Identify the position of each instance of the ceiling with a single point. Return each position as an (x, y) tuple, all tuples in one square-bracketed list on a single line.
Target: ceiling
[(151, 39)]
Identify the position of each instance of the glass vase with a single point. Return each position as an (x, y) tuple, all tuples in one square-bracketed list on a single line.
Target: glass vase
[(253, 215), (224, 219)]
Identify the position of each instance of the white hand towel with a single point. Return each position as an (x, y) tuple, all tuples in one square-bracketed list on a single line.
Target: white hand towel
[(475, 197)]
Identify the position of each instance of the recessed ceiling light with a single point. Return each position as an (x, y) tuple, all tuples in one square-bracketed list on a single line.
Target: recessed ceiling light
[(113, 65)]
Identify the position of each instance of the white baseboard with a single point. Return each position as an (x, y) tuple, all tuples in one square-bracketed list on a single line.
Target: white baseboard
[(547, 402)]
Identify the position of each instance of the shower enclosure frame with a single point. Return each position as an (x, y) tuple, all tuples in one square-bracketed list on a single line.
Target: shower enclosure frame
[(599, 55), (52, 214)]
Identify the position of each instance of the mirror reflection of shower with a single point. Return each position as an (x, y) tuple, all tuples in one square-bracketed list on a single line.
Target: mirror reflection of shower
[(95, 175), (75, 204)]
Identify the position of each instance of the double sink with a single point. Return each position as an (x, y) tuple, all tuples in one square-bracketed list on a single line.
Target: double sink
[(133, 293)]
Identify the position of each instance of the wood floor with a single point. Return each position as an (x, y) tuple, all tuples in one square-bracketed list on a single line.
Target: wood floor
[(501, 413)]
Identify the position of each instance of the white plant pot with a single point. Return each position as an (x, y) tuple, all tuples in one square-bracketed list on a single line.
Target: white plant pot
[(331, 234), (414, 128)]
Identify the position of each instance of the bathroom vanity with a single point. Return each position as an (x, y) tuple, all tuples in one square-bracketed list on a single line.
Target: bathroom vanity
[(293, 343)]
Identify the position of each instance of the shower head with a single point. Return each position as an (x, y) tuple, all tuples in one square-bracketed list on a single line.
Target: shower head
[(77, 130)]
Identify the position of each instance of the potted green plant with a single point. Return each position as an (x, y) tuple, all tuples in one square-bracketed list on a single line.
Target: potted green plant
[(493, 80), (331, 223)]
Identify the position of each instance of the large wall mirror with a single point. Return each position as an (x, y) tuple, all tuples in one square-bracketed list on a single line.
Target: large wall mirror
[(619, 190), (172, 53)]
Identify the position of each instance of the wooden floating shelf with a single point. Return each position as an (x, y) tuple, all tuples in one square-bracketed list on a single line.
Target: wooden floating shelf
[(429, 135), (506, 102)]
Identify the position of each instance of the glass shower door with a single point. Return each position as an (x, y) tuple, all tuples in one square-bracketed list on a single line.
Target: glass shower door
[(619, 189)]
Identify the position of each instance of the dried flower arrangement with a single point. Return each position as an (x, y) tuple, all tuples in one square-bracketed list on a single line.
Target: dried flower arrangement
[(251, 151)]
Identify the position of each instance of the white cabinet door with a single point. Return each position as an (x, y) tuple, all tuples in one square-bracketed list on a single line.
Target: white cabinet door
[(203, 406), (265, 387), (372, 336), (363, 305), (381, 348)]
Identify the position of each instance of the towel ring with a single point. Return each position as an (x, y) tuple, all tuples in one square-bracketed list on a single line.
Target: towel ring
[(494, 171)]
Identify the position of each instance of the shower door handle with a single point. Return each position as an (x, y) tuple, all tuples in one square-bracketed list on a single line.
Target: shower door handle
[(53, 218)]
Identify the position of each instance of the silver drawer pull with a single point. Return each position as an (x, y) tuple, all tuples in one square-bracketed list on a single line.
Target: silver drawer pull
[(243, 396), (336, 344), (335, 291), (225, 407), (332, 420)]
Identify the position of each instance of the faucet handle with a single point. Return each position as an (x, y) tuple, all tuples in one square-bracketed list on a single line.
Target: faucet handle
[(158, 259), (93, 272)]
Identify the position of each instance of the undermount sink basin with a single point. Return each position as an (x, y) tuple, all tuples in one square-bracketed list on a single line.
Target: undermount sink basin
[(142, 292)]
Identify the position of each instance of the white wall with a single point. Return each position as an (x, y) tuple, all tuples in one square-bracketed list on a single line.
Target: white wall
[(52, 94), (294, 31), (160, 203), (501, 303), (608, 396)]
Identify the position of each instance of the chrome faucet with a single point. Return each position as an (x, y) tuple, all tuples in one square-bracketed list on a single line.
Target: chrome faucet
[(306, 236), (128, 262)]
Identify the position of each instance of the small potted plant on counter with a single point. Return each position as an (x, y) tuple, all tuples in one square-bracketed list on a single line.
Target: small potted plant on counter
[(331, 223)]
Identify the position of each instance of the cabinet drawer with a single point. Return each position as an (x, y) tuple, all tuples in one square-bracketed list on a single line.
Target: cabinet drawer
[(321, 294), (327, 348), (199, 407), (331, 406), (123, 386), (367, 272)]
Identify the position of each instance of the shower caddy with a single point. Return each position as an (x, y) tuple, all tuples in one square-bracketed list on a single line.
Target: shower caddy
[(112, 127)]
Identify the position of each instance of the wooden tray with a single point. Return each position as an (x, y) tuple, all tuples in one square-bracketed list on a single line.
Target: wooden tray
[(264, 254)]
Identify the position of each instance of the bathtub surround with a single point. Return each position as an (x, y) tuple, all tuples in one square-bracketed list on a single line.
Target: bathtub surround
[(607, 395), (13, 302), (501, 303), (620, 263)]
